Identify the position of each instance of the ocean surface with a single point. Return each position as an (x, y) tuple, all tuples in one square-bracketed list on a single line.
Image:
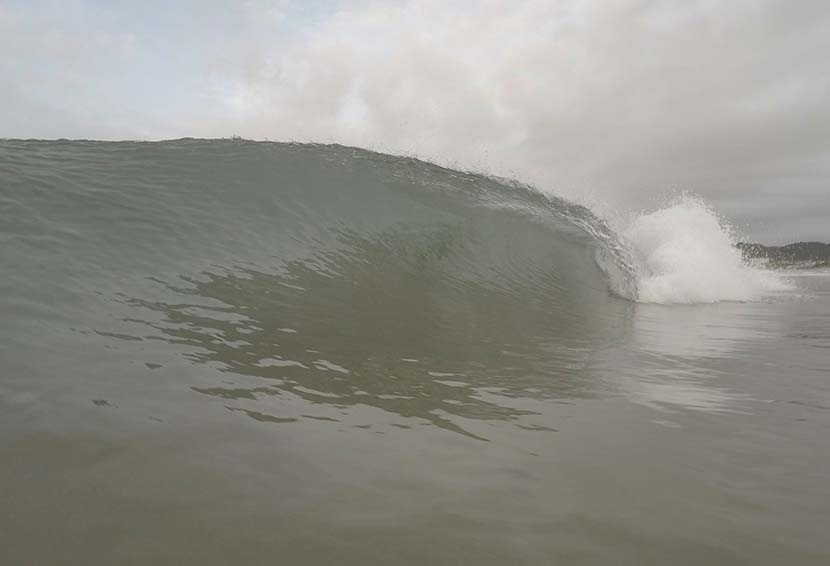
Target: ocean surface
[(234, 352)]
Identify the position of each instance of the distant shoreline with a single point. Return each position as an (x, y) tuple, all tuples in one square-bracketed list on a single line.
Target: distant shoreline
[(798, 255)]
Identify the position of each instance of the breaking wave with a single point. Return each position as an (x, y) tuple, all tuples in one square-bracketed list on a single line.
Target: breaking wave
[(126, 209), (686, 254), (335, 273)]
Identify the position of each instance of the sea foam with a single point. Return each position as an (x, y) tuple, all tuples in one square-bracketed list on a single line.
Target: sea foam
[(685, 254)]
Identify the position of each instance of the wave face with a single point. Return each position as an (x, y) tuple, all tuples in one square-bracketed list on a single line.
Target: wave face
[(296, 201), (328, 270), (305, 262), (338, 212)]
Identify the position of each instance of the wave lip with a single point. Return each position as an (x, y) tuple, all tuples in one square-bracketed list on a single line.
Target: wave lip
[(685, 254)]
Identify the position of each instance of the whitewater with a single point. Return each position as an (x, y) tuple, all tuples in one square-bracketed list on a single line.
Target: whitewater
[(686, 254), (217, 350)]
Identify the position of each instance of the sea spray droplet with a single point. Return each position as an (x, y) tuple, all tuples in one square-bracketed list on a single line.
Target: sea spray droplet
[(686, 255)]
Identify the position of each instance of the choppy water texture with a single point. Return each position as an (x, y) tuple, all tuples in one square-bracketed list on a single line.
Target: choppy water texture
[(227, 352)]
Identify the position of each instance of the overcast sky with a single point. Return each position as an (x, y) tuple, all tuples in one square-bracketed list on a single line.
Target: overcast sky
[(614, 102)]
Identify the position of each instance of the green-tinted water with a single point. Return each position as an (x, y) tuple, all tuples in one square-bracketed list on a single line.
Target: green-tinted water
[(223, 352)]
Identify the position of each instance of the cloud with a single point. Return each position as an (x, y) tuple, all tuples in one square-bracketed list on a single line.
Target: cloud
[(621, 98), (60, 74)]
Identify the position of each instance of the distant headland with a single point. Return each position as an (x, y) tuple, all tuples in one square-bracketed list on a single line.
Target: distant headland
[(799, 255)]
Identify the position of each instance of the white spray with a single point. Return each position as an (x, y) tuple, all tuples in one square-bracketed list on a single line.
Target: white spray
[(685, 254)]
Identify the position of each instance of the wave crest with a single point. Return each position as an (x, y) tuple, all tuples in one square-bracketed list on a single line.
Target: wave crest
[(685, 254)]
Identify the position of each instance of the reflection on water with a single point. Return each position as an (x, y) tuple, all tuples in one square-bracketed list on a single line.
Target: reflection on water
[(673, 354), (668, 389), (699, 331), (385, 322), (385, 325), (390, 322)]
